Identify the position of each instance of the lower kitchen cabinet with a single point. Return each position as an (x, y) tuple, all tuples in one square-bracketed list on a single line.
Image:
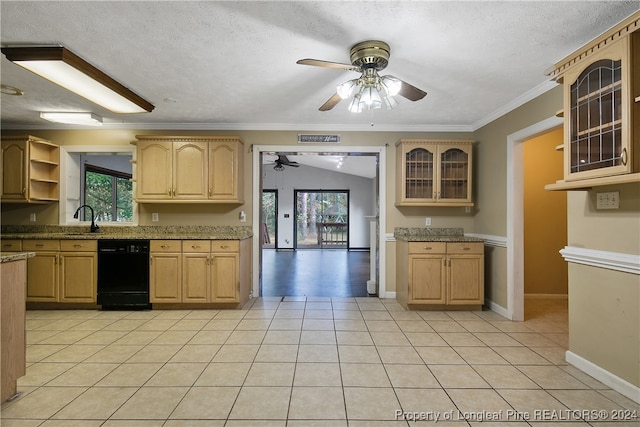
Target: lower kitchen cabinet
[(439, 275), (62, 271), (42, 270), (196, 271), (78, 270), (165, 272), (200, 271)]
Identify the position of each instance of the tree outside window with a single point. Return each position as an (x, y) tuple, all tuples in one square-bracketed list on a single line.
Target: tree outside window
[(109, 193)]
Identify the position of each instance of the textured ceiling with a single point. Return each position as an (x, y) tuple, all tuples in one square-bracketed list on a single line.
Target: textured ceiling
[(232, 65)]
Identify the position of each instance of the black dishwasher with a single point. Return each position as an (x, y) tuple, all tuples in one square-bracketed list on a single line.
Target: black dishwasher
[(123, 274)]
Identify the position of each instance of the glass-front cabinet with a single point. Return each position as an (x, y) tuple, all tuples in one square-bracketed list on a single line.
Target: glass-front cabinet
[(433, 172), (598, 135), (601, 84)]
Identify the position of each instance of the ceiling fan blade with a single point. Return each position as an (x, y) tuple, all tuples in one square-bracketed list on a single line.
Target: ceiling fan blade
[(282, 159), (327, 64), (409, 91), (331, 102)]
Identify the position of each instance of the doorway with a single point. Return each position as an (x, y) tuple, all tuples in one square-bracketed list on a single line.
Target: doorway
[(320, 152), (321, 219)]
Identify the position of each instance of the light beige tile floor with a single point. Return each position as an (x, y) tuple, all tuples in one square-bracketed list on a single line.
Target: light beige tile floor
[(303, 362)]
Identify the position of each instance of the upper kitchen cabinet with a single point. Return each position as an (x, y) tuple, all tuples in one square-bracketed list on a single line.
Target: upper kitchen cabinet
[(190, 169), (601, 84), (433, 172), (30, 170)]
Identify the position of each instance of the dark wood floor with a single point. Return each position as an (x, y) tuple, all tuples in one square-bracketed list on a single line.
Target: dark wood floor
[(314, 272)]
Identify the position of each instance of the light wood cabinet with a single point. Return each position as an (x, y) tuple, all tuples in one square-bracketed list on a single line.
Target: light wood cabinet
[(62, 271), (30, 170), (433, 172), (189, 169), (78, 270), (601, 86), (13, 279), (11, 245), (165, 272), (439, 274), (42, 270), (200, 271), (196, 271)]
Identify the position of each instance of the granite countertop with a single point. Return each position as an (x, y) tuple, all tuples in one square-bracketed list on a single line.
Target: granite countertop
[(15, 256), (433, 235), (182, 232)]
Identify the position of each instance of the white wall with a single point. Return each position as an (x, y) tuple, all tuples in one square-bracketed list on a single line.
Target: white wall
[(361, 199)]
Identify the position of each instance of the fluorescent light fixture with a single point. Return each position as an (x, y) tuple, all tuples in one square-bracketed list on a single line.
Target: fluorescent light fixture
[(88, 119), (64, 68)]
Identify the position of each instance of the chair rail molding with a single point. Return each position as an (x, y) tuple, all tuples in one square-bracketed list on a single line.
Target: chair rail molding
[(627, 263)]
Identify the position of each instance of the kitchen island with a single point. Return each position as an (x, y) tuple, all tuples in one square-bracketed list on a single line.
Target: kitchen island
[(439, 269), (13, 273)]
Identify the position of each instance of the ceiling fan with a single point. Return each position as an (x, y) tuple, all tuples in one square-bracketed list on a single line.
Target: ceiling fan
[(283, 161), (369, 90)]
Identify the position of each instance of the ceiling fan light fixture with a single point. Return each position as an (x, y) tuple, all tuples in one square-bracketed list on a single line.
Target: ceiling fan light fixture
[(87, 119), (390, 102), (390, 85), (346, 89), (356, 106), (62, 67)]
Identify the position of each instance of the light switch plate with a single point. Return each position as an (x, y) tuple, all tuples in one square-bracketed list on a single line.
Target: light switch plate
[(154, 217), (609, 200)]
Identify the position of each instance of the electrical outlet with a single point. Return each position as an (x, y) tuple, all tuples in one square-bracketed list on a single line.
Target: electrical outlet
[(155, 217), (467, 209), (609, 200), (243, 216), (427, 222), (32, 217)]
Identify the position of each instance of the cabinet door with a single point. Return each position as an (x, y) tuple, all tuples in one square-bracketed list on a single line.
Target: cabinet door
[(42, 277), (14, 170), (195, 277), (418, 174), (224, 170), (165, 276), (153, 170), (224, 277), (427, 279), (454, 174), (597, 114), (465, 282), (190, 167), (78, 277)]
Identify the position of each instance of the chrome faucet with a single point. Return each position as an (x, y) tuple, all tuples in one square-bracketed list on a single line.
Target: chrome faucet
[(94, 226)]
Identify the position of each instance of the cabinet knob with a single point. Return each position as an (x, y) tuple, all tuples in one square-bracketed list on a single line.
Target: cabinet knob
[(39, 245), (427, 248), (224, 246), (466, 248), (24, 190), (164, 246), (195, 246), (77, 246)]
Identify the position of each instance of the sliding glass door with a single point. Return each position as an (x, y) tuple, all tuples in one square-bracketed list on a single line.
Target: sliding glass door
[(322, 219)]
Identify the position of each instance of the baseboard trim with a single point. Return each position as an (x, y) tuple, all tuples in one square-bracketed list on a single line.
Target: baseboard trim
[(618, 384), (497, 309), (391, 295), (490, 240), (546, 296)]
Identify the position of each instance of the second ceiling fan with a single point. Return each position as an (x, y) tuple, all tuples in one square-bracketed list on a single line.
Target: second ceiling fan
[(370, 90)]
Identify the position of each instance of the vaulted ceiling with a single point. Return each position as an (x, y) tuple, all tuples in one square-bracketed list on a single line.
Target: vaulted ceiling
[(232, 65)]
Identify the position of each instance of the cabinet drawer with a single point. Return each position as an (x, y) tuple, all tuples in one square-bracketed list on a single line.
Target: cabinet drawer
[(79, 245), (166, 245), (196, 246), (225, 246), (40, 245), (463, 248), (427, 247), (11, 245)]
